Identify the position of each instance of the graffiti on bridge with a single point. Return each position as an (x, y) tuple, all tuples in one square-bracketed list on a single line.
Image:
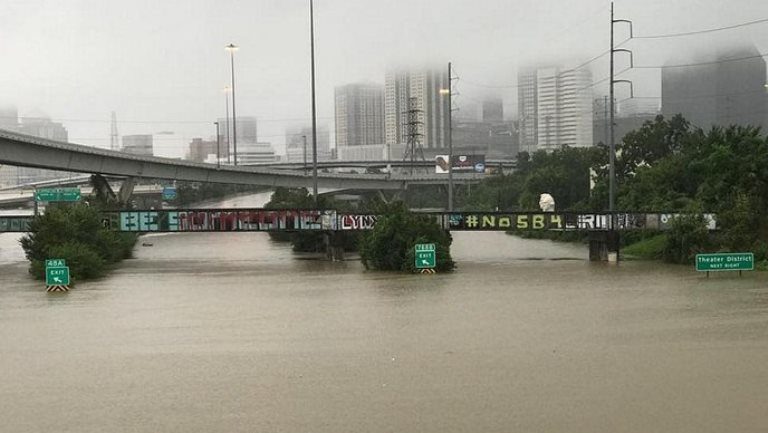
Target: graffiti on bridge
[(309, 220), (566, 221), (221, 220)]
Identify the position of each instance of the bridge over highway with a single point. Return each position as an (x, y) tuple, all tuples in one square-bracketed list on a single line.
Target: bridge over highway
[(27, 151), (274, 220)]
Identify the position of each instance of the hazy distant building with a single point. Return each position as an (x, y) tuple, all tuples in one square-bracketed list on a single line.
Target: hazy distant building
[(631, 117), (634, 107), (139, 144), (246, 132), (723, 92), (255, 153), (493, 110), (37, 126), (359, 114), (555, 108), (493, 139), (9, 118), (294, 144), (43, 127), (202, 151), (466, 111), (432, 108)]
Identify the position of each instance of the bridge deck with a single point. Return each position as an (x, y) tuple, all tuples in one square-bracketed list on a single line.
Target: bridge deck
[(276, 220)]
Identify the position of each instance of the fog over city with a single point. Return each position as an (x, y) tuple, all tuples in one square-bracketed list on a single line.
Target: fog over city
[(161, 65)]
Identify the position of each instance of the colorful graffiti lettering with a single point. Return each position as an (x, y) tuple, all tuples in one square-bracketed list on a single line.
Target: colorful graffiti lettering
[(358, 222)]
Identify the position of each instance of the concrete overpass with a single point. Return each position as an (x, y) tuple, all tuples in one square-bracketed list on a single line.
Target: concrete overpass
[(27, 151)]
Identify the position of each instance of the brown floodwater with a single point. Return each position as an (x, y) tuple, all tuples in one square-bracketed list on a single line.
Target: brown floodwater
[(235, 333)]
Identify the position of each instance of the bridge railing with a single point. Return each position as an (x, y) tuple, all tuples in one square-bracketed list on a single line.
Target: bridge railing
[(222, 220), (274, 220)]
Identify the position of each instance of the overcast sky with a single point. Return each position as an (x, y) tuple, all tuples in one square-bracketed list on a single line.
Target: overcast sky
[(161, 65)]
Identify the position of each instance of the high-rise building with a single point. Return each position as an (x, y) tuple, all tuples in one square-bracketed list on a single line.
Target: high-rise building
[(635, 107), (295, 139), (555, 108), (43, 127), (202, 151), (255, 153), (37, 126), (417, 90), (246, 134), (493, 110), (138, 144), (359, 115), (728, 89)]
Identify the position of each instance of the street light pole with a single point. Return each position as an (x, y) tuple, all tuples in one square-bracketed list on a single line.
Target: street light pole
[(218, 146), (226, 113), (314, 106), (232, 48), (450, 140)]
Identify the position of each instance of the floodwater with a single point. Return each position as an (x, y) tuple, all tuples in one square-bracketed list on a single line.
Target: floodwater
[(234, 333)]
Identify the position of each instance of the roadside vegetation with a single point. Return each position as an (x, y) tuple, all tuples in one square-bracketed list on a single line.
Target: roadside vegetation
[(75, 233), (666, 165), (390, 245)]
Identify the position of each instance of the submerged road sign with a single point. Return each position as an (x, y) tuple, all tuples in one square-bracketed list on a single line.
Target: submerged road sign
[(725, 262), (58, 276), (425, 256)]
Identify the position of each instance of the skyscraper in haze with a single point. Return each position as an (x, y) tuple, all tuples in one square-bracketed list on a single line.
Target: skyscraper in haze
[(433, 108), (729, 89), (493, 110), (555, 107), (359, 110)]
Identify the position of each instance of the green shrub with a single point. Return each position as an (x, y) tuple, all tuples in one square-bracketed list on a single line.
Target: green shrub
[(75, 233), (687, 237), (390, 245)]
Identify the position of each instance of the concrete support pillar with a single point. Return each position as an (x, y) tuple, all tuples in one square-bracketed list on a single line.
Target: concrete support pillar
[(604, 246), (334, 246)]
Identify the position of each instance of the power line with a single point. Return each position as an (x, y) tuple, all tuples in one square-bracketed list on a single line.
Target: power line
[(699, 32), (702, 63)]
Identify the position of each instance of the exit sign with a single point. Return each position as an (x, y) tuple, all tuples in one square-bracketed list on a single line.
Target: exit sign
[(425, 256)]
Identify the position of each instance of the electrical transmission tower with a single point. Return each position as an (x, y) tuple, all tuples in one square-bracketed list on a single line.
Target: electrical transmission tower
[(413, 145), (113, 140)]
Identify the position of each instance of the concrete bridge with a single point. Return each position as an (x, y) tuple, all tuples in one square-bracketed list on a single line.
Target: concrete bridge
[(27, 151)]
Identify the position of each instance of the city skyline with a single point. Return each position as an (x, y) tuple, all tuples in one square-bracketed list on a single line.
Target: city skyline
[(176, 86)]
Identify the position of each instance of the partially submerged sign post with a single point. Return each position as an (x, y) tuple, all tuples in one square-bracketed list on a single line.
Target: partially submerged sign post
[(425, 258), (56, 275), (719, 262)]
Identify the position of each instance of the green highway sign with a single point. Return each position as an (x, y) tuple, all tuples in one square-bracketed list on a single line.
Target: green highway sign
[(725, 262), (58, 276), (58, 194), (169, 193), (425, 256), (55, 263)]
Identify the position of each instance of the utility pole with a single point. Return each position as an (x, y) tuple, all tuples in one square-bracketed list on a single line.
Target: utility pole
[(314, 106), (612, 102), (450, 139), (304, 137), (605, 118), (113, 137), (218, 146), (226, 113)]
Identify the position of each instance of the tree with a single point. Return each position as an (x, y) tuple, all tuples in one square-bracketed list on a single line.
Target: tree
[(390, 245)]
